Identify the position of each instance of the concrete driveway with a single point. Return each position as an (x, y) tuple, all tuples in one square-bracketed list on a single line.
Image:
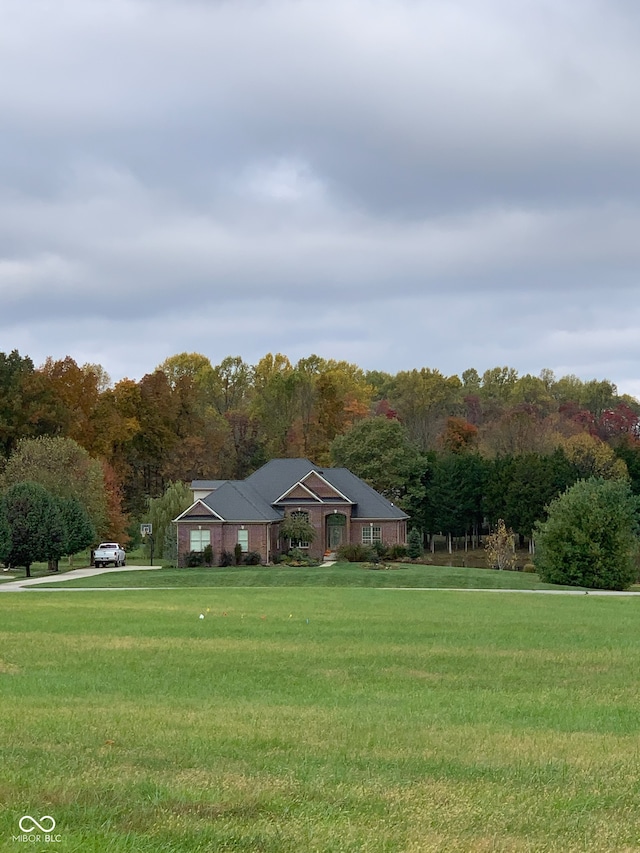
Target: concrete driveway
[(25, 583)]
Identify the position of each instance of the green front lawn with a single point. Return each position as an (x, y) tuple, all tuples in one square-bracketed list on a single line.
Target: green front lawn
[(340, 574)]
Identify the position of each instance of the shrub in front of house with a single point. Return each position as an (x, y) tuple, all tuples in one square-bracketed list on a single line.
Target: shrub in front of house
[(226, 559), (195, 559), (380, 550), (207, 555), (397, 552), (353, 552), (252, 558), (298, 558)]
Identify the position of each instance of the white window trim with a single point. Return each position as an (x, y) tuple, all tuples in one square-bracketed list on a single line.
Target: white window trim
[(371, 533), (244, 545), (205, 539)]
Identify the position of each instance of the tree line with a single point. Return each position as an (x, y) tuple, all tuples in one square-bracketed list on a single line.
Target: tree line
[(453, 451)]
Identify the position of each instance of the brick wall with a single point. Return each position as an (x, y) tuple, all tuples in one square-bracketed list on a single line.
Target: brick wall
[(224, 537), (391, 532), (264, 539)]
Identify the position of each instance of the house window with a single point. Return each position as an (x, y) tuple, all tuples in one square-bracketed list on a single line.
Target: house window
[(199, 539), (371, 533), (243, 540)]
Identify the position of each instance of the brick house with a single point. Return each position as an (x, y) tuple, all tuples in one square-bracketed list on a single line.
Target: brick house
[(341, 507)]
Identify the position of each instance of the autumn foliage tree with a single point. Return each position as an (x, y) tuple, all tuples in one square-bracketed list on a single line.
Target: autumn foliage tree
[(117, 520), (458, 436), (424, 399), (500, 547), (65, 470), (76, 391), (592, 457)]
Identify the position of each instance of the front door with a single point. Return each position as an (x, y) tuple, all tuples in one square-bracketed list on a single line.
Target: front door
[(336, 530)]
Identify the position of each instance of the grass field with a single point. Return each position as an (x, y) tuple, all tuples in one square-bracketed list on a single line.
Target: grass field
[(317, 719)]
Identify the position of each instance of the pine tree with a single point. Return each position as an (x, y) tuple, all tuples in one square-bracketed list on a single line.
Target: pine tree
[(414, 544)]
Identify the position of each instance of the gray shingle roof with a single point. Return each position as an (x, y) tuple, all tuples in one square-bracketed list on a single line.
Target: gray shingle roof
[(252, 499), (200, 485), (279, 475), (368, 502), (236, 500)]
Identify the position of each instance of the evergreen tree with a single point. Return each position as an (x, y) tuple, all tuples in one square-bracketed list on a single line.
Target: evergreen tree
[(5, 534), (628, 449), (519, 488), (36, 525), (414, 544), (455, 493)]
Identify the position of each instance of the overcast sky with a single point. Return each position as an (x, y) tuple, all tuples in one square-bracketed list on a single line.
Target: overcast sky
[(398, 183)]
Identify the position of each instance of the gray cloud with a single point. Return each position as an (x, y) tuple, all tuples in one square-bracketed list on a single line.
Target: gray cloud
[(397, 183)]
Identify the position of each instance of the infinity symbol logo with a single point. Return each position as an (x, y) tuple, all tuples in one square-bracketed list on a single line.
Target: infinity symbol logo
[(28, 823)]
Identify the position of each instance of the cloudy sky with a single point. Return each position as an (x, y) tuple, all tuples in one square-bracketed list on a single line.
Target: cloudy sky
[(399, 183)]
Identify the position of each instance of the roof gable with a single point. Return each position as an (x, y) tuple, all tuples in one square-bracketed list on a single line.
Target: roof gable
[(322, 487), (199, 509), (298, 492), (313, 487)]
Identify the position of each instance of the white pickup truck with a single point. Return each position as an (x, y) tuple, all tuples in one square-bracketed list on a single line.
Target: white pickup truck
[(109, 552)]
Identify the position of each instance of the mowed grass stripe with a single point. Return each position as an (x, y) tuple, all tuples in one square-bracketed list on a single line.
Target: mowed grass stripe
[(440, 721), (338, 575)]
